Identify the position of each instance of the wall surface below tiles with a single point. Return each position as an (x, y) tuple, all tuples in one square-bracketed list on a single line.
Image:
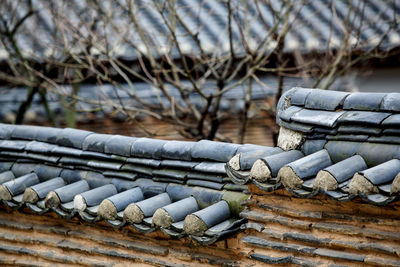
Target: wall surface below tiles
[(311, 232), (45, 240)]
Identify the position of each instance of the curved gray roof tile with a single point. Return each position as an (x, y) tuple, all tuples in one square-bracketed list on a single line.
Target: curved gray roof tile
[(325, 99), (97, 167), (320, 117), (364, 101), (353, 129), (391, 102)]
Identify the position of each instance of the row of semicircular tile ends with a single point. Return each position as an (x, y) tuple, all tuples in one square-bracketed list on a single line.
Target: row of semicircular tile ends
[(178, 210), (340, 169), (125, 145)]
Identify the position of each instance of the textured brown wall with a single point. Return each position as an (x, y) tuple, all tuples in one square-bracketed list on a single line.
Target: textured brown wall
[(281, 229), (47, 240), (321, 231)]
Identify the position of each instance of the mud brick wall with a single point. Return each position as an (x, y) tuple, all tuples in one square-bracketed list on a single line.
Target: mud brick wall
[(319, 231), (45, 240)]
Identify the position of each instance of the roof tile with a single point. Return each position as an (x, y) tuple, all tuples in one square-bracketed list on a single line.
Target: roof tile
[(95, 142), (18, 185), (72, 137), (375, 154), (309, 166), (345, 169), (123, 199), (94, 196), (277, 161), (312, 146), (150, 205), (392, 120), (363, 117), (181, 150), (298, 97), (325, 99), (288, 113), (391, 102), (66, 193), (383, 173), (44, 188), (364, 101), (320, 117), (147, 148), (119, 145), (212, 150)]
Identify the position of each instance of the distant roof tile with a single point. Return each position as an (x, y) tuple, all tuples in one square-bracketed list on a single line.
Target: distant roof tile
[(24, 132), (6, 130)]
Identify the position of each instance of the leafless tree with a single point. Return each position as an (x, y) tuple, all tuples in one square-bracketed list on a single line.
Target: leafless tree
[(89, 41)]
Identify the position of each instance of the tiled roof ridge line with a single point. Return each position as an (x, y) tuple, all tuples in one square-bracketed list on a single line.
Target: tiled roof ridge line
[(206, 173), (376, 189), (31, 185), (384, 104), (116, 144)]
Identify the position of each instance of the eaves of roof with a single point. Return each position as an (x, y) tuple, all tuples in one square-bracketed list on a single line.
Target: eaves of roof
[(178, 187)]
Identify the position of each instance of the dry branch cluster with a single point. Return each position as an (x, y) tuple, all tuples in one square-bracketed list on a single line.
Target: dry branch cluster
[(176, 47)]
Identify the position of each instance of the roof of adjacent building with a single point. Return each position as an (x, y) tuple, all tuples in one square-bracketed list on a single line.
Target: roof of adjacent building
[(318, 24), (96, 98), (179, 187), (340, 144)]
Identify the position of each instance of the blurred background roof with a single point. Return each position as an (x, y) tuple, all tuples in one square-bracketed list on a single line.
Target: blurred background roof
[(316, 25)]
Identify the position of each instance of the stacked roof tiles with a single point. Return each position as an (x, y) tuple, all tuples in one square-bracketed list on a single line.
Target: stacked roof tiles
[(179, 187), (340, 144)]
